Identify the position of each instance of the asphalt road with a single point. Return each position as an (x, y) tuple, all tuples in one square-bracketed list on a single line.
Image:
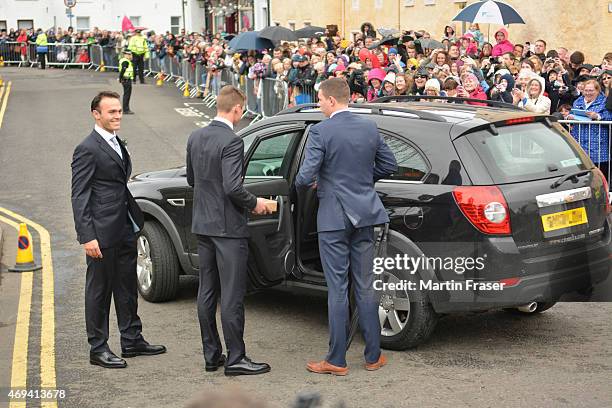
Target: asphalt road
[(562, 358)]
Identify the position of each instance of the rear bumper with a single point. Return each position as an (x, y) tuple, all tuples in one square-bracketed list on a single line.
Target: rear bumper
[(542, 278)]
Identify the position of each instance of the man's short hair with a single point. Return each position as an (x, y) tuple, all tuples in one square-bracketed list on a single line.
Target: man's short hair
[(95, 103), (542, 41), (337, 88), (228, 98)]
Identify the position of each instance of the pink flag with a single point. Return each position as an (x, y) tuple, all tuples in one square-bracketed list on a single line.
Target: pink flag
[(126, 25)]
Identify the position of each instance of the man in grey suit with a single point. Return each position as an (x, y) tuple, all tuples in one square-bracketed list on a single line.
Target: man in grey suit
[(345, 155), (215, 167)]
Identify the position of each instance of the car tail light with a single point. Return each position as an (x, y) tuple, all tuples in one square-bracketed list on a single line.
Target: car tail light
[(517, 121), (606, 187), (509, 282), (485, 207)]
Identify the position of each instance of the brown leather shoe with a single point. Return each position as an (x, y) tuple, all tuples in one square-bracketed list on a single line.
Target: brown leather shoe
[(323, 367), (382, 360)]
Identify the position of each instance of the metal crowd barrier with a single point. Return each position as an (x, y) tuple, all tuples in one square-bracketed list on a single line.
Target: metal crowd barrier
[(106, 57), (253, 106), (274, 97), (13, 52), (61, 55), (594, 137)]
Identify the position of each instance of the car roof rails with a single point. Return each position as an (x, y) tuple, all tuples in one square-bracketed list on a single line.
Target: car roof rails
[(374, 109), (417, 98)]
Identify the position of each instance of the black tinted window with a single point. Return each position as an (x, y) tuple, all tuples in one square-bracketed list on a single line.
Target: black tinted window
[(412, 166), (526, 152)]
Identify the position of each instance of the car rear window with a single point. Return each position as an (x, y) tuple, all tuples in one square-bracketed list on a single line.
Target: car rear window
[(526, 152)]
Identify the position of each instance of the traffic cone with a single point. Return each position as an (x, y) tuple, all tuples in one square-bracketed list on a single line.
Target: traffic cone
[(186, 91), (1, 61), (160, 79), (25, 256), (102, 68)]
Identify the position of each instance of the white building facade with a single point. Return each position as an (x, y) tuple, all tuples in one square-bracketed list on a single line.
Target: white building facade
[(228, 16)]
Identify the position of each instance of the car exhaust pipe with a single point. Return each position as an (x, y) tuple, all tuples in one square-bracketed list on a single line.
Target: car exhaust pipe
[(528, 308)]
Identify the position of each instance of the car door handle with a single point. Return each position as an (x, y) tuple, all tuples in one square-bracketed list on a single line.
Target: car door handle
[(176, 202)]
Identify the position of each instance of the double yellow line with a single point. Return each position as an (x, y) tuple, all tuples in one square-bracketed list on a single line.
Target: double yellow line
[(4, 94), (19, 373), (22, 329)]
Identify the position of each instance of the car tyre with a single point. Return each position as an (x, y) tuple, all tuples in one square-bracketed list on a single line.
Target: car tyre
[(158, 267), (410, 310)]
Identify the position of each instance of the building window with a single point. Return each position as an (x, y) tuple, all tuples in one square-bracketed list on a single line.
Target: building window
[(3, 25), (25, 24), (82, 23), (408, 3), (135, 20), (429, 2), (291, 25), (175, 24)]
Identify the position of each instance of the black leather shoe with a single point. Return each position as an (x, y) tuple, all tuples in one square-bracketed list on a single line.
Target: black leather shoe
[(215, 366), (128, 112), (246, 367), (107, 359), (142, 350)]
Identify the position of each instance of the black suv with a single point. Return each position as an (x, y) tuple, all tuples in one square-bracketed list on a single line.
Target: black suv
[(488, 195)]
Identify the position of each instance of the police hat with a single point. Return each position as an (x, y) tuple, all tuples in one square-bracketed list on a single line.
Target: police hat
[(127, 52)]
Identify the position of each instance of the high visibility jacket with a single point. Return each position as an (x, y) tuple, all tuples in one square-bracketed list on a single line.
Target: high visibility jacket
[(41, 40), (138, 45), (129, 71)]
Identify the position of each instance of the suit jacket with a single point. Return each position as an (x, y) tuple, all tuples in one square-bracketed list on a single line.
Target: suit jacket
[(100, 197), (215, 170), (346, 155)]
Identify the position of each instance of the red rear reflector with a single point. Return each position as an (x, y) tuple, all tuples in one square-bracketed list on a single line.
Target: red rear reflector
[(510, 281), (607, 188), (528, 119), (474, 200)]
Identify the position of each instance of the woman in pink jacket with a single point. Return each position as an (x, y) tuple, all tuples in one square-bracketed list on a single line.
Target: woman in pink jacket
[(503, 45)]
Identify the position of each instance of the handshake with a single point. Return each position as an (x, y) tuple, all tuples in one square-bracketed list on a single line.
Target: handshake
[(264, 206)]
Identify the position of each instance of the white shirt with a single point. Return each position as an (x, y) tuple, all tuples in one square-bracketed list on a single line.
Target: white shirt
[(109, 139), (338, 111), (223, 120)]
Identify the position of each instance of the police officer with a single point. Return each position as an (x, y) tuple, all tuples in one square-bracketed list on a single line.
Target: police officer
[(41, 48), (126, 76), (140, 51)]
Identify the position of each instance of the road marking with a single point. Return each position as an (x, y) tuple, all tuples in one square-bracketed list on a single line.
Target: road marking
[(4, 102), (19, 371), (47, 331), (189, 112)]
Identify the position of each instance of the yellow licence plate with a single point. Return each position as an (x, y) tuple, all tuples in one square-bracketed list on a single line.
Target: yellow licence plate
[(564, 219)]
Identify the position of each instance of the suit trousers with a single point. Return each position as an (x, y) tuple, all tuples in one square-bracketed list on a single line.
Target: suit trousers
[(351, 249), (127, 93), (223, 274), (113, 276), (138, 61)]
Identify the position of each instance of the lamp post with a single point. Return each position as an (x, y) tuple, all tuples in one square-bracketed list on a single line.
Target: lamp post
[(183, 2)]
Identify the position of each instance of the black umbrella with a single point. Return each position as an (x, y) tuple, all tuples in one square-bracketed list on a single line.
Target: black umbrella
[(380, 250), (249, 40), (310, 32), (277, 34), (392, 41)]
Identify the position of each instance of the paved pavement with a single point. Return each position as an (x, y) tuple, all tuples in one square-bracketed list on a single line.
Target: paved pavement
[(562, 358)]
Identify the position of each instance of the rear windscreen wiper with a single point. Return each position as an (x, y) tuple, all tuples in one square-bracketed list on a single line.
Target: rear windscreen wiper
[(573, 177)]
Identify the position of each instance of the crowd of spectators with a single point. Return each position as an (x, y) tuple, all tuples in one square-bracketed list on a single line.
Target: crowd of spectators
[(531, 76)]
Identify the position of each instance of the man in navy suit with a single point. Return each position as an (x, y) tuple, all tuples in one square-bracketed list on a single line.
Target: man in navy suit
[(345, 155)]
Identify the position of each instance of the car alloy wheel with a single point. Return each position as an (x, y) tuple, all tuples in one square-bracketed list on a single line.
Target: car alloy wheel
[(144, 266), (394, 307)]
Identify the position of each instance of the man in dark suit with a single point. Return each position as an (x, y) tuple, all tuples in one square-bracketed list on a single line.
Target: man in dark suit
[(345, 155), (107, 218), (215, 167)]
